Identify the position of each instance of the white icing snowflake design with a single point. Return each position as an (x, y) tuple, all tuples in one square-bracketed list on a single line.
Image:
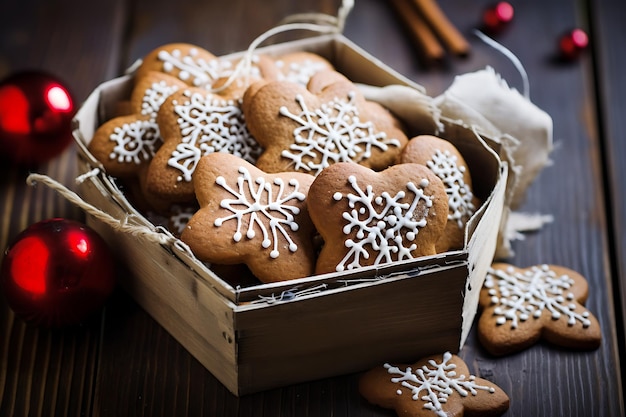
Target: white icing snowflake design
[(180, 218), (299, 72), (137, 141), (333, 133), (199, 72), (435, 383), (259, 204), (191, 67), (526, 294), (461, 208), (382, 223), (208, 125)]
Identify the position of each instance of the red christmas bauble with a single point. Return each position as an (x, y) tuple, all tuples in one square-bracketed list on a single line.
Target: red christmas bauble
[(57, 272), (497, 17), (36, 111), (572, 43)]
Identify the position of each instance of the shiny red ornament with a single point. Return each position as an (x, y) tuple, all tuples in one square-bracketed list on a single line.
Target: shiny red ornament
[(57, 272), (572, 43), (497, 17), (36, 112)]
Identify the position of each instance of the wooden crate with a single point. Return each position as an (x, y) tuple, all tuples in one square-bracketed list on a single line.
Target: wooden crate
[(264, 336)]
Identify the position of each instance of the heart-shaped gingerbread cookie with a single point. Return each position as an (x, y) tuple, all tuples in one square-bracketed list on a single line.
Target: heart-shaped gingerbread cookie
[(371, 218)]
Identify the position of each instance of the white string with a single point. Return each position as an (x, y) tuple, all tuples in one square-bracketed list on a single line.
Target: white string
[(514, 59), (315, 22), (116, 224)]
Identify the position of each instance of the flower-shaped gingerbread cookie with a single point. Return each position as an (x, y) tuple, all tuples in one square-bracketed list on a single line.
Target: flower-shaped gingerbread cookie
[(371, 218), (195, 122), (444, 159), (521, 306), (435, 386), (126, 144), (249, 216), (307, 130)]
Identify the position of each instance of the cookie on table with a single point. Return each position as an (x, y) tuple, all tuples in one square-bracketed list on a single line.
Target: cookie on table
[(444, 159), (520, 306), (435, 386), (252, 217), (370, 218), (198, 67), (126, 144), (307, 131), (298, 67), (195, 122)]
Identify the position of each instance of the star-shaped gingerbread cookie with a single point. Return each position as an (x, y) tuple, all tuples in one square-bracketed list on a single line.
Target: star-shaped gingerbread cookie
[(125, 145), (195, 122), (252, 217), (435, 386)]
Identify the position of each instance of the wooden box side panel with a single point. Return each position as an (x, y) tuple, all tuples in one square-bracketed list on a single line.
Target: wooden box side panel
[(399, 319), (194, 313)]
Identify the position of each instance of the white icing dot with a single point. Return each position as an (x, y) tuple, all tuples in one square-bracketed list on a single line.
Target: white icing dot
[(337, 196)]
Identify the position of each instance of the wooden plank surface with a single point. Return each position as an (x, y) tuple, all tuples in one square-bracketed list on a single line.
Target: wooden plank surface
[(608, 36), (51, 372), (123, 363)]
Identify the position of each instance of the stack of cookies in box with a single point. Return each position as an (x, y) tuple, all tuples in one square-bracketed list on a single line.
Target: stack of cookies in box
[(282, 165)]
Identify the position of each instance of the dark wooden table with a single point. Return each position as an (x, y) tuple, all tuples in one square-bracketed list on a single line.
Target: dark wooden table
[(122, 363)]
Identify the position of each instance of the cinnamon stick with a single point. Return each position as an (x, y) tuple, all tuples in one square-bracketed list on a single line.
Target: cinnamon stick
[(419, 30), (447, 32)]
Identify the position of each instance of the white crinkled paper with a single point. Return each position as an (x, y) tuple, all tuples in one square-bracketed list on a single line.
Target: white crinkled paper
[(484, 101)]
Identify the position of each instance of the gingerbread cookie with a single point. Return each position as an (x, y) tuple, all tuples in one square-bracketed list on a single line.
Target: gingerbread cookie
[(249, 216), (299, 67), (198, 67), (195, 122), (306, 131), (448, 164), (126, 144), (435, 386), (522, 305), (371, 218)]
